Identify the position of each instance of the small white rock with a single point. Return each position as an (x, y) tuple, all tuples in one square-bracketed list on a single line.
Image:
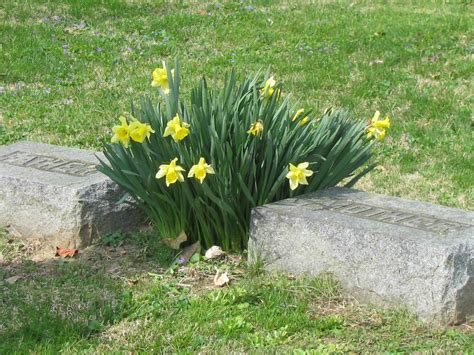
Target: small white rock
[(220, 280), (213, 252)]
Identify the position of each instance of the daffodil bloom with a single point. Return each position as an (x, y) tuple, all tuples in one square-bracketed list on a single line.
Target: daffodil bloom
[(200, 170), (160, 78), (122, 132), (139, 131), (383, 124), (304, 121), (182, 132), (176, 129), (171, 171), (269, 88), (379, 134), (297, 114), (378, 127), (297, 175), (256, 128)]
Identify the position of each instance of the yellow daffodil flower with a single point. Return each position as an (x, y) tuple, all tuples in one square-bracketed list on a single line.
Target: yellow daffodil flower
[(122, 132), (297, 175), (375, 122), (160, 78), (182, 132), (377, 128), (139, 131), (176, 129), (304, 121), (256, 128), (200, 170), (269, 88), (171, 171), (379, 134), (297, 114)]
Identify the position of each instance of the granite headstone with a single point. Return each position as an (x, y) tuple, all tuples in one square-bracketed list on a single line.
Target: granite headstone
[(384, 250), (56, 194)]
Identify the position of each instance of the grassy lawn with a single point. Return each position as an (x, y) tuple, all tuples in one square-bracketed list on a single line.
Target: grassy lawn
[(69, 68), (122, 296)]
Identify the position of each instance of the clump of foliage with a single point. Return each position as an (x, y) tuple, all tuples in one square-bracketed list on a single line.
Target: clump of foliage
[(200, 165)]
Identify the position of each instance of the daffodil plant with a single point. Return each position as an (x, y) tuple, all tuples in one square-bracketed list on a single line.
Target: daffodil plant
[(200, 165)]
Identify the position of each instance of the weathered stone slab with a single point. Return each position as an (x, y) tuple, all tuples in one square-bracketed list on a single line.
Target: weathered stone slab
[(384, 250), (56, 193)]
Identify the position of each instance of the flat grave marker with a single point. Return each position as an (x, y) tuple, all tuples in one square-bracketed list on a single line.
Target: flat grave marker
[(56, 194), (384, 250)]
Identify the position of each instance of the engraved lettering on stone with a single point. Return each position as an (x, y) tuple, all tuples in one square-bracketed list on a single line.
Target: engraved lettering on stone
[(337, 205), (372, 212), (427, 223), (17, 158), (445, 226), (355, 209), (394, 216), (51, 164), (76, 168), (44, 163), (420, 221)]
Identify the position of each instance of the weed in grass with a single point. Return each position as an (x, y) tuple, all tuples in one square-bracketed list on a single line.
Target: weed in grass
[(114, 239)]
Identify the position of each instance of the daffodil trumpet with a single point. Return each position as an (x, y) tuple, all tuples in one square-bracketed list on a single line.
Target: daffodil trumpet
[(200, 170), (297, 175), (177, 129), (377, 128), (160, 78), (171, 171), (136, 131)]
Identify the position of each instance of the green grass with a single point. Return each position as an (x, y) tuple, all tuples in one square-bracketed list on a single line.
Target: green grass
[(119, 296), (69, 68)]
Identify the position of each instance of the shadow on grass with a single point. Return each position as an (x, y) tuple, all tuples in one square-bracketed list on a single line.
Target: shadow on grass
[(56, 304)]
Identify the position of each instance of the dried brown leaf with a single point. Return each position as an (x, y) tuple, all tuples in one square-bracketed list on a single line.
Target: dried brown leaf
[(65, 253), (175, 243), (13, 279)]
